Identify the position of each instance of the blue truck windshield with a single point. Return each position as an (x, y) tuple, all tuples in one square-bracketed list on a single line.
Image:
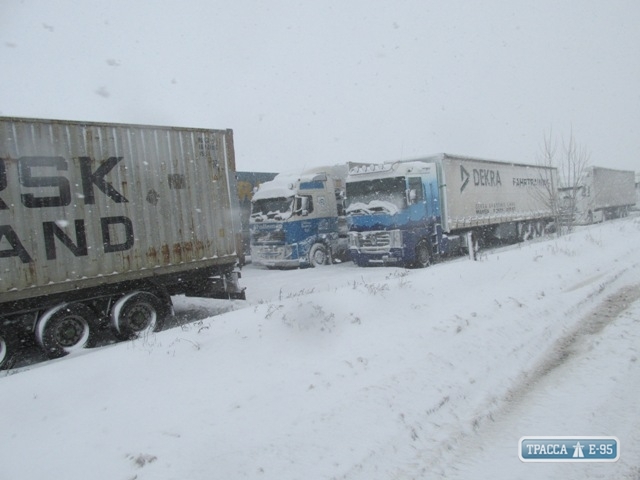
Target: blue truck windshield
[(382, 195)]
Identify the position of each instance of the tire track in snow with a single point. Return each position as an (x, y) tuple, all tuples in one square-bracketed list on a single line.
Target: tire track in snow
[(560, 351), (489, 443), (565, 347)]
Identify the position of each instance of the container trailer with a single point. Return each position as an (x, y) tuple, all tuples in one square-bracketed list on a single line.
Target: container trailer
[(101, 223), (604, 194)]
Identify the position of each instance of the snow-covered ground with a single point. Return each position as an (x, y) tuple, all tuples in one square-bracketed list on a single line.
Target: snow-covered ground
[(349, 373)]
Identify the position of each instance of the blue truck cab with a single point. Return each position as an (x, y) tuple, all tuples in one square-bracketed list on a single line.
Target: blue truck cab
[(394, 214), (298, 220)]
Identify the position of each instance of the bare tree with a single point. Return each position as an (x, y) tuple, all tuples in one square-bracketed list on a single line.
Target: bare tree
[(547, 190), (561, 193), (573, 169)]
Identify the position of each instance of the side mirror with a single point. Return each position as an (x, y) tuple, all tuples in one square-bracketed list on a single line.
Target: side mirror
[(411, 196)]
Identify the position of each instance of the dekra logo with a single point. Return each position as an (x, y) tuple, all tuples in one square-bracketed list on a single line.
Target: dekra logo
[(482, 177)]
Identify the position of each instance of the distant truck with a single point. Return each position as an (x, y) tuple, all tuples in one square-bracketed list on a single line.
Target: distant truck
[(248, 183), (605, 194), (298, 219), (100, 224), (410, 213)]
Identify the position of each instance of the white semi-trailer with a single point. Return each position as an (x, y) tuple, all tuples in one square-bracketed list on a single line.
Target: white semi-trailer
[(604, 194), (100, 224)]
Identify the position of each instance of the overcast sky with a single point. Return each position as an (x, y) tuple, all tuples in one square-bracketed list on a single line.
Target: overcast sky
[(313, 82)]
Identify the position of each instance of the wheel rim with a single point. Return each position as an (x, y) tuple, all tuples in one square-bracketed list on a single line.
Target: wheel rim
[(71, 331), (318, 255), (141, 317), (424, 259)]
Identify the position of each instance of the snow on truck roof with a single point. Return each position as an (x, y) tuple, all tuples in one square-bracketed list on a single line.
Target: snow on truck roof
[(401, 168), (411, 166), (281, 186), (285, 184), (450, 156)]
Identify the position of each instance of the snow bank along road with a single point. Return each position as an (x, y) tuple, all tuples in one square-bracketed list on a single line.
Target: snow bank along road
[(350, 373)]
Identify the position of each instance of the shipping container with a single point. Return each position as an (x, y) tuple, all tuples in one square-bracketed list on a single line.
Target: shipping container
[(93, 212)]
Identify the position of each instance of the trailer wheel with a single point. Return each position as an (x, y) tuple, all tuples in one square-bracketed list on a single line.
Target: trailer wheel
[(319, 255), (423, 255), (137, 314), (526, 231), (65, 329), (10, 349), (4, 351)]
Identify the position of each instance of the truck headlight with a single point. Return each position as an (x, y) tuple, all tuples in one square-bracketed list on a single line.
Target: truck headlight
[(395, 239), (353, 240)]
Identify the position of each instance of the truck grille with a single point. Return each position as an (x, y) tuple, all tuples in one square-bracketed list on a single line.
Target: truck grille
[(378, 240), (262, 237)]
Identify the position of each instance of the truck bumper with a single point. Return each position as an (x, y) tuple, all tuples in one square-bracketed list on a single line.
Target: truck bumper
[(377, 247), (275, 256), (393, 256), (276, 263)]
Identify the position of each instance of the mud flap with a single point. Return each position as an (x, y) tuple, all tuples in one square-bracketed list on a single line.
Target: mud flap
[(232, 287), (224, 287)]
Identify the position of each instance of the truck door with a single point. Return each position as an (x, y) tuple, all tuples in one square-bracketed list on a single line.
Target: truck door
[(416, 191), (433, 209)]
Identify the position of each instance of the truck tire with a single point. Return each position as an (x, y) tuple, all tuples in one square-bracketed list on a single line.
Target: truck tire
[(319, 255), (423, 255), (10, 349), (5, 354), (137, 314), (66, 328), (361, 263), (12, 346)]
